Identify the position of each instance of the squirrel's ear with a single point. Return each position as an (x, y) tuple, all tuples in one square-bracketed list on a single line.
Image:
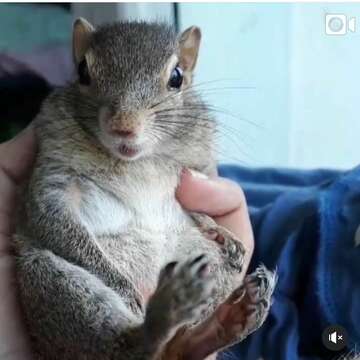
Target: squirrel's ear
[(82, 31), (189, 47)]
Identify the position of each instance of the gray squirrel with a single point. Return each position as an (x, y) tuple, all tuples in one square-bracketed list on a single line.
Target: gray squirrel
[(110, 266)]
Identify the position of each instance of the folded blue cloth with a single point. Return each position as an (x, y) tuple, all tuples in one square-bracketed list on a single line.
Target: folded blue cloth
[(305, 225)]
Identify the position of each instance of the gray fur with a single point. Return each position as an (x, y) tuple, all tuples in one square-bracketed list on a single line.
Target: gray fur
[(97, 229), (125, 54)]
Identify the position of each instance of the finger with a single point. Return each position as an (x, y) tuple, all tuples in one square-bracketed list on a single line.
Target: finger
[(8, 193), (221, 199), (215, 197), (7, 226), (17, 155), (13, 337)]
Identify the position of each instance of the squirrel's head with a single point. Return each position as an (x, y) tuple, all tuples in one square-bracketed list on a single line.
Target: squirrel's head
[(135, 84)]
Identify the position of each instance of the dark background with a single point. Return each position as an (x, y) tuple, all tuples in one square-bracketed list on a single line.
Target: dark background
[(35, 57)]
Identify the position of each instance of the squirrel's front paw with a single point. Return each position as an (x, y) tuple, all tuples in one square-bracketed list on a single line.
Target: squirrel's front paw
[(231, 247), (183, 293)]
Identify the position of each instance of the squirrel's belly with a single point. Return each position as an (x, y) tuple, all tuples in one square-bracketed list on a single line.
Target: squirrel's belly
[(142, 229), (150, 208), (141, 233), (141, 254), (155, 225)]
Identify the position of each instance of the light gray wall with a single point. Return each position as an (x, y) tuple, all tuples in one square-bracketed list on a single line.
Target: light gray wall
[(325, 89), (306, 97)]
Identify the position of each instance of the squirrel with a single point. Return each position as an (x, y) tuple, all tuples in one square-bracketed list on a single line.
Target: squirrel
[(109, 265)]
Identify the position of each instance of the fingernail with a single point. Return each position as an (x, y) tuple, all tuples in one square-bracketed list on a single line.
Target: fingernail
[(198, 175)]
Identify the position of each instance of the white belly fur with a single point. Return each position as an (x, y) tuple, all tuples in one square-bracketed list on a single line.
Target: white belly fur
[(150, 209), (141, 227)]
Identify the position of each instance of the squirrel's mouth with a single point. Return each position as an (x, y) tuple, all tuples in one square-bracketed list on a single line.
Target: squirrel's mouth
[(128, 151)]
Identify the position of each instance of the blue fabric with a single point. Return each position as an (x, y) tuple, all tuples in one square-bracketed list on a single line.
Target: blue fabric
[(304, 224)]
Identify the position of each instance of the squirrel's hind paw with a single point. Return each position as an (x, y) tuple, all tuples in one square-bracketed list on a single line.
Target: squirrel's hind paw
[(247, 307), (243, 312)]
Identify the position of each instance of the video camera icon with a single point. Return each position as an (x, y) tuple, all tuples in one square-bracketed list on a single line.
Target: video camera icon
[(339, 24), (334, 338)]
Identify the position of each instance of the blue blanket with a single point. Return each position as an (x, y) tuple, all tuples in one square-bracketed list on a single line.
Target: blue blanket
[(305, 225)]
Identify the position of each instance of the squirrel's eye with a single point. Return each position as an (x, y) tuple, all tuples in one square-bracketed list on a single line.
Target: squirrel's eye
[(83, 72), (176, 78)]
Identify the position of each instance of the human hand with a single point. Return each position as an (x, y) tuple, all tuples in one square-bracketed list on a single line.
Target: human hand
[(221, 199), (16, 158), (225, 202)]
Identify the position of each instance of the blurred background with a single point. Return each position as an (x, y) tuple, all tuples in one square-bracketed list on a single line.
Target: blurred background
[(286, 93)]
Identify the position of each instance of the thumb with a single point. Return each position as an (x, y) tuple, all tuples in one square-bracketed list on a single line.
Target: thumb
[(215, 197), (219, 198)]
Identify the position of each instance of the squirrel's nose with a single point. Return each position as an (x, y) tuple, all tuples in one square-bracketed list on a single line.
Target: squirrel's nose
[(126, 125), (124, 133)]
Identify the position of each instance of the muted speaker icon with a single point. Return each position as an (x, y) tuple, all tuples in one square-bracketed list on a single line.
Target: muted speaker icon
[(334, 338)]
